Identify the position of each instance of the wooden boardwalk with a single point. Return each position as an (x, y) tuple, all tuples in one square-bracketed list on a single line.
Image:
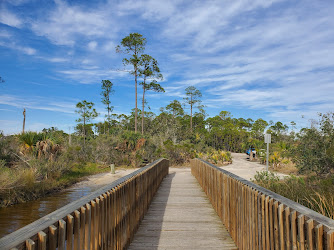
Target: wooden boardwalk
[(181, 217)]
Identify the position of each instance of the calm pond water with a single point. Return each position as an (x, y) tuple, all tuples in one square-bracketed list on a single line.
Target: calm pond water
[(17, 216)]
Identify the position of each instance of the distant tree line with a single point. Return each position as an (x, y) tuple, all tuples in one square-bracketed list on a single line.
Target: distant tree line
[(311, 148)]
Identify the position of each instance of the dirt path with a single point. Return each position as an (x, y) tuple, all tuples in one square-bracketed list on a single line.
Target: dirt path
[(103, 178), (242, 167)]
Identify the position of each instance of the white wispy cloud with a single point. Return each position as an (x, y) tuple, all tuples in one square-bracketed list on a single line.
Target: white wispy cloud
[(38, 103), (9, 18), (17, 2), (148, 9), (56, 59), (67, 24), (92, 45), (5, 34), (92, 74), (26, 50)]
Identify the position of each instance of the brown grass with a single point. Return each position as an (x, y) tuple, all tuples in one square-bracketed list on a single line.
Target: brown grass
[(324, 205), (287, 168)]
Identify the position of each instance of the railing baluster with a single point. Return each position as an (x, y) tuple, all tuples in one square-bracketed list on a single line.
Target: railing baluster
[(257, 212), (76, 230), (276, 231), (310, 231), (69, 232), (61, 235), (281, 226), (93, 225), (301, 232), (88, 226), (53, 235), (42, 240), (271, 224), (293, 217), (287, 228), (82, 227), (330, 240), (263, 222), (30, 244), (267, 223), (319, 232)]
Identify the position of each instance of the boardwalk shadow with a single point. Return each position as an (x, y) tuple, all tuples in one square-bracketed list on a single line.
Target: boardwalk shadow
[(148, 234)]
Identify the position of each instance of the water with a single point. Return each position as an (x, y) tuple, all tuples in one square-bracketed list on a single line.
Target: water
[(17, 216)]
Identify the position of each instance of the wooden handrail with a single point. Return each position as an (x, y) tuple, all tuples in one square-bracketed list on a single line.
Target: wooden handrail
[(106, 218), (258, 218)]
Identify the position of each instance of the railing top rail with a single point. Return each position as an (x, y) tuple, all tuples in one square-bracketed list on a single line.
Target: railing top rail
[(50, 219), (293, 205)]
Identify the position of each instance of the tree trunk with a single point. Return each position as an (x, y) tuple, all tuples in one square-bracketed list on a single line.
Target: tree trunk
[(108, 119), (70, 137), (84, 130), (191, 114), (142, 115), (136, 100), (24, 120)]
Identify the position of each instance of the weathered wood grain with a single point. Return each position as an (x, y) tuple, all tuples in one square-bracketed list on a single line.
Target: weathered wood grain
[(181, 217)]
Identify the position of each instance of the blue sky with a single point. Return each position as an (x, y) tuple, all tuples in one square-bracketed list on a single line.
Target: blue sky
[(270, 59)]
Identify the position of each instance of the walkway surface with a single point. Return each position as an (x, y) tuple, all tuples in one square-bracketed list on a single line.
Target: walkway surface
[(181, 217), (244, 168)]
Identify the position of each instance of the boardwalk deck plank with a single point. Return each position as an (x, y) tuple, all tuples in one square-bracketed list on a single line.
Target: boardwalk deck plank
[(181, 217)]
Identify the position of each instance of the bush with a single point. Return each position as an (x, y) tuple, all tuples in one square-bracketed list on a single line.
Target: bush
[(215, 156), (314, 151), (312, 192)]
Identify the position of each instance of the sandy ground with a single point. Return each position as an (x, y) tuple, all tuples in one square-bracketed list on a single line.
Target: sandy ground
[(104, 178), (241, 166), (244, 168), (98, 180)]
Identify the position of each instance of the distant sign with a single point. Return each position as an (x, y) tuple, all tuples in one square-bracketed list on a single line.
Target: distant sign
[(267, 138)]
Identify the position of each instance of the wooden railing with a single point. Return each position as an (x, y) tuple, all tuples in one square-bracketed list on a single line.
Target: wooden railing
[(104, 219), (258, 218)]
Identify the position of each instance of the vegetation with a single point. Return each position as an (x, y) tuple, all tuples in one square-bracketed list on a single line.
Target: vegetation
[(106, 92), (311, 191), (42, 160), (149, 70), (133, 45), (87, 113), (192, 99), (33, 164)]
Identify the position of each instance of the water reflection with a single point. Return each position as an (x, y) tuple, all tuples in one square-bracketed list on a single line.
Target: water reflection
[(17, 216)]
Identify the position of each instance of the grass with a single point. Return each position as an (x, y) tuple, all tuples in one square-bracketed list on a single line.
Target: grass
[(78, 171), (311, 191), (21, 185), (287, 167), (324, 205)]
